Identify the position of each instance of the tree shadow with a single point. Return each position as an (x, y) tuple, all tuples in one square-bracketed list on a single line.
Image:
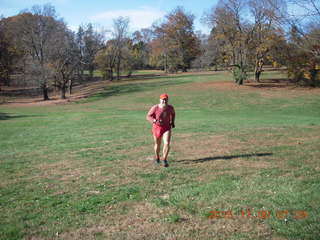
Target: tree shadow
[(7, 116), (22, 92), (272, 83), (144, 77), (134, 87), (201, 160)]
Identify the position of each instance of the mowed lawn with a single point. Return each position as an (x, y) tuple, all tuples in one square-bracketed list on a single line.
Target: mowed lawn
[(244, 163)]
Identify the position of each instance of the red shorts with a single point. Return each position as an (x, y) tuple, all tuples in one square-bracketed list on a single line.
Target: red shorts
[(158, 131)]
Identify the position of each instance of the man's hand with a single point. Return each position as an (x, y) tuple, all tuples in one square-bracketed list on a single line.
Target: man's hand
[(172, 125), (157, 121)]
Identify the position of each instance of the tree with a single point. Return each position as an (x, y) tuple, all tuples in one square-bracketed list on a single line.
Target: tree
[(8, 52), (303, 58), (36, 28), (92, 43), (106, 59), (80, 45), (158, 54), (234, 34), (304, 62), (265, 33), (115, 54), (120, 36), (180, 45), (64, 59), (141, 48), (246, 33), (210, 53)]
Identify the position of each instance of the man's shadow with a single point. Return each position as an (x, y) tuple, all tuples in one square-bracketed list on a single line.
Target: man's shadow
[(201, 160)]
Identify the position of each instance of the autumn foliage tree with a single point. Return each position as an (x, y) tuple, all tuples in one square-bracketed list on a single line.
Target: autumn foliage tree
[(266, 33), (64, 59), (92, 41), (304, 62), (234, 35), (9, 53), (176, 42), (106, 59), (36, 29), (141, 48), (42, 50), (116, 55), (246, 32), (303, 58)]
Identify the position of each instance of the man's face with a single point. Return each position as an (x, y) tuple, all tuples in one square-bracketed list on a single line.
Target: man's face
[(164, 101)]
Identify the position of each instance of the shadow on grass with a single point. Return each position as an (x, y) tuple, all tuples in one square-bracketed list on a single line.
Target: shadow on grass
[(132, 88), (139, 78), (201, 160), (7, 116), (272, 83)]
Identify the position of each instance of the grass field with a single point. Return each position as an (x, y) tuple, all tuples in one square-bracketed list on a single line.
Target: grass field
[(244, 163)]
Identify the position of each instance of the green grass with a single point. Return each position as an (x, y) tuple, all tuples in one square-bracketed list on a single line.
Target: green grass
[(79, 170)]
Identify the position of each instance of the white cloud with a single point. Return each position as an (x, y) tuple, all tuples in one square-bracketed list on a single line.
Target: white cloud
[(73, 27), (139, 18)]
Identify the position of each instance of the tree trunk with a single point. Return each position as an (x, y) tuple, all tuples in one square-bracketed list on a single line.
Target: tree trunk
[(313, 78), (257, 75), (258, 70), (184, 69), (91, 70), (239, 81), (166, 64), (118, 69), (63, 91), (70, 86), (7, 79), (111, 74), (45, 92), (80, 74)]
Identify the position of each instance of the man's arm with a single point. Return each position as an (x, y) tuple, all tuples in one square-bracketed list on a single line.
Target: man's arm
[(151, 115), (173, 118)]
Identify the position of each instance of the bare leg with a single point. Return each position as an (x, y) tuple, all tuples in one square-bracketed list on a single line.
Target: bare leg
[(157, 144), (166, 144)]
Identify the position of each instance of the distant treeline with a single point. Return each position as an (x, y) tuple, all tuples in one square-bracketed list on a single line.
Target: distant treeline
[(37, 49)]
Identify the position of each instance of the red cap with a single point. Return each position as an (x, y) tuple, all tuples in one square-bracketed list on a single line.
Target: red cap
[(164, 96)]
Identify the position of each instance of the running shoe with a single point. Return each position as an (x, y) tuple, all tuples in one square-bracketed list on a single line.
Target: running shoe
[(166, 163)]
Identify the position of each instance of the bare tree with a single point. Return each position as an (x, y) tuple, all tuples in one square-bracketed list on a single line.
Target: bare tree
[(306, 24), (303, 58), (265, 31), (8, 53), (92, 42), (234, 33), (64, 59), (246, 31), (37, 28), (111, 55), (80, 45), (142, 48), (120, 35), (106, 59), (209, 57)]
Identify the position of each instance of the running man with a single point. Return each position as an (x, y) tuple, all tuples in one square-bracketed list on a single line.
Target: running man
[(162, 117)]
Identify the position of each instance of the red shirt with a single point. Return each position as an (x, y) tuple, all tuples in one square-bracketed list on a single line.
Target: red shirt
[(165, 116)]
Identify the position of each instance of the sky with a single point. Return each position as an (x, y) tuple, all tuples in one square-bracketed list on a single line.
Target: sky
[(142, 13)]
